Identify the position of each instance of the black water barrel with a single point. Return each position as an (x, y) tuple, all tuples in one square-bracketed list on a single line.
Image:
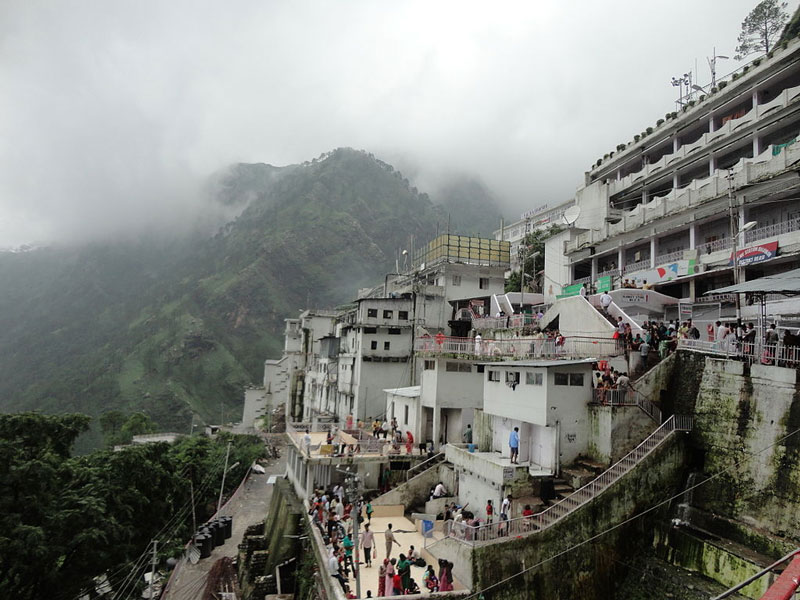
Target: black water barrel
[(219, 533), (206, 545), (227, 522)]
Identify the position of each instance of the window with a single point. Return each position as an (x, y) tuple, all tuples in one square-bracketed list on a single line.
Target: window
[(456, 280), (387, 314), (483, 283), (512, 376), (533, 378), (372, 312), (402, 315), (576, 379), (385, 345), (494, 375), (561, 378), (405, 415), (394, 331), (430, 365), (456, 367), (370, 330), (481, 368), (373, 345)]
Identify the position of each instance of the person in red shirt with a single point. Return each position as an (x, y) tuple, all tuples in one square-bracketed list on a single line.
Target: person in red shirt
[(528, 514), (489, 511), (397, 584)]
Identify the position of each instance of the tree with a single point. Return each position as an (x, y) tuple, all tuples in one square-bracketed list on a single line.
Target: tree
[(762, 28), (532, 244)]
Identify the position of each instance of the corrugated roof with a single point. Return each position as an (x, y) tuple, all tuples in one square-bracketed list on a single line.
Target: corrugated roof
[(781, 283)]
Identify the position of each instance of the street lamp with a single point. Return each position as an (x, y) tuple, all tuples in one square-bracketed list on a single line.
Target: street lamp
[(712, 64), (735, 232)]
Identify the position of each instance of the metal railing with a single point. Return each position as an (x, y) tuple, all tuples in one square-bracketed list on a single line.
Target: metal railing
[(424, 465), (627, 397), (518, 348), (521, 526), (507, 322), (354, 442), (753, 352), (772, 230)]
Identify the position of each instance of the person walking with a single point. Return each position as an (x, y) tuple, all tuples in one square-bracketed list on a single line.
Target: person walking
[(466, 437), (367, 542), (446, 578), (382, 578), (389, 539), (369, 511), (513, 444)]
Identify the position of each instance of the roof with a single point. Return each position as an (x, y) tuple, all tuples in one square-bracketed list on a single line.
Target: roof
[(542, 363), (409, 392), (781, 283)]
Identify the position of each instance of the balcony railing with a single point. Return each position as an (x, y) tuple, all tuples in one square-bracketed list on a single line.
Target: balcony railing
[(772, 230), (509, 322), (752, 352), (627, 397), (526, 348), (642, 265), (669, 257), (715, 246)]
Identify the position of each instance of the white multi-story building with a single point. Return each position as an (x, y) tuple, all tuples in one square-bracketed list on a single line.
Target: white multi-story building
[(671, 206), (536, 219)]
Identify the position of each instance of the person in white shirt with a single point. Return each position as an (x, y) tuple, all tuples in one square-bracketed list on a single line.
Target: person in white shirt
[(605, 301), (440, 491), (307, 443), (367, 542)]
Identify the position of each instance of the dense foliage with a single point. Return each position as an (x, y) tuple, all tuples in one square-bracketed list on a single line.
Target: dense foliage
[(65, 520), (176, 328)]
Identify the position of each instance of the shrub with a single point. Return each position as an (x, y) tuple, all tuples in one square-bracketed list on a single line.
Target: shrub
[(714, 90), (660, 122), (702, 98), (620, 147), (734, 77), (723, 85), (756, 62), (649, 130), (636, 138), (674, 115)]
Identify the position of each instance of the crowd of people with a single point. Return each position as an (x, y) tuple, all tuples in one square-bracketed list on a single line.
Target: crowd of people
[(333, 513)]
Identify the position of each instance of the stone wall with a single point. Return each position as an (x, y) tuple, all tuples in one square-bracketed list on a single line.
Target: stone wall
[(272, 543), (562, 564), (745, 428), (416, 491)]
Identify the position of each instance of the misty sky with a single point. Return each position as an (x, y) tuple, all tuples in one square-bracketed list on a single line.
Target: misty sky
[(113, 113)]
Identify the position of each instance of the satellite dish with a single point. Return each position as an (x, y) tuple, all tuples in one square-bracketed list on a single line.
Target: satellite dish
[(422, 267), (571, 215)]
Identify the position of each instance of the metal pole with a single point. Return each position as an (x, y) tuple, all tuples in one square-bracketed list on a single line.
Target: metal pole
[(761, 573), (734, 241), (152, 570), (224, 472)]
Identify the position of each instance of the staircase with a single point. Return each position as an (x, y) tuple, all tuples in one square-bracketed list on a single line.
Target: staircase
[(551, 515), (425, 465)]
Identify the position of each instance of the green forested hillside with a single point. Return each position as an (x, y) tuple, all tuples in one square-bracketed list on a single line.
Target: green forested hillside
[(178, 327)]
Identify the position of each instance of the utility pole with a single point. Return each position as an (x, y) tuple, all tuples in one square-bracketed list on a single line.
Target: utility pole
[(224, 472), (734, 240), (353, 483), (152, 571)]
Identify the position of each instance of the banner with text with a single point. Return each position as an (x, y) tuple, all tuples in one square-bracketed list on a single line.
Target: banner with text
[(755, 254)]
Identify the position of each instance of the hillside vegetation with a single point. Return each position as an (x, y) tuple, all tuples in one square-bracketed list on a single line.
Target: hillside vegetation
[(176, 328)]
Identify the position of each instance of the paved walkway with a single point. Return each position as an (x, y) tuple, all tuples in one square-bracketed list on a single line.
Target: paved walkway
[(407, 534), (247, 508)]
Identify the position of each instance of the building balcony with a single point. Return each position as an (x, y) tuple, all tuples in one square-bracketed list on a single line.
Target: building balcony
[(349, 443), (521, 348), (746, 172)]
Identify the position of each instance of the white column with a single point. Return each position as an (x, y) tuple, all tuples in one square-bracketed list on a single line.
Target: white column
[(712, 165), (653, 246), (620, 259), (692, 236), (711, 123), (675, 145), (756, 143), (309, 479), (437, 418), (594, 268)]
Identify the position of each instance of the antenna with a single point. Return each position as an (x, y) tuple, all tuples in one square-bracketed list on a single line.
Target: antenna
[(571, 215)]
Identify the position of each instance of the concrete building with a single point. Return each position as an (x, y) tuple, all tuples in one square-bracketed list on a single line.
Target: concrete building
[(256, 405), (670, 206), (535, 219)]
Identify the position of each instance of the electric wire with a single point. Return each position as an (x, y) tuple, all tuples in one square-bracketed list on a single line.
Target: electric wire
[(626, 521)]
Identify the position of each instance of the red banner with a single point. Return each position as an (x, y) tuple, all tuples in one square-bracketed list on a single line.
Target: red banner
[(755, 254)]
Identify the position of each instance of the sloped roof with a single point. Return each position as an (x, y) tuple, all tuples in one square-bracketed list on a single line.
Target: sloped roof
[(781, 283)]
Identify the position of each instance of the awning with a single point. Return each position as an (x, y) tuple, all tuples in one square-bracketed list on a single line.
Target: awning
[(781, 283)]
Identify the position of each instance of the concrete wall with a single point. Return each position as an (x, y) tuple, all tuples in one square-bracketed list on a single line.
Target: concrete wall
[(557, 271), (585, 572), (416, 491), (255, 406), (576, 317), (615, 431), (407, 411)]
